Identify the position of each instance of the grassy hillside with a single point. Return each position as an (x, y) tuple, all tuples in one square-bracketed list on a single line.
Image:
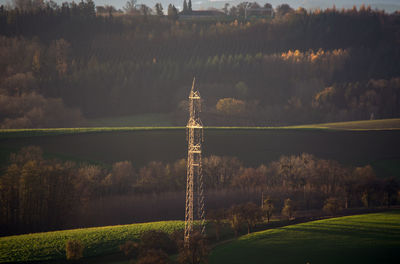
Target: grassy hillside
[(382, 124), (253, 146), (18, 133), (164, 120), (144, 120), (369, 238), (97, 241), (374, 142), (161, 122)]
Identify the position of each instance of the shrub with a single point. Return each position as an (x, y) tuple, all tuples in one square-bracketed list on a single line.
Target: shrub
[(332, 206), (130, 249), (153, 256), (177, 238), (196, 252), (235, 217), (155, 239), (32, 110), (288, 208), (268, 208), (231, 106), (74, 249), (216, 217), (252, 214)]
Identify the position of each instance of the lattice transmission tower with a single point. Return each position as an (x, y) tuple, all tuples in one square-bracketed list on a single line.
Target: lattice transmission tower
[(194, 178)]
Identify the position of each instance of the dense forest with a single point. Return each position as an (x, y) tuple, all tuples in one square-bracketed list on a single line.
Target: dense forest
[(63, 64), (38, 194)]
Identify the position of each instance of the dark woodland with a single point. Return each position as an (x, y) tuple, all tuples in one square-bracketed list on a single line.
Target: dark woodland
[(40, 194), (63, 64)]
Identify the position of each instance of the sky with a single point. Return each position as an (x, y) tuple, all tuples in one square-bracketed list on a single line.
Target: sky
[(387, 5)]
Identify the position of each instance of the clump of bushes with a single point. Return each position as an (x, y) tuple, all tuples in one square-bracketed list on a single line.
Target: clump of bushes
[(154, 239), (130, 249), (196, 252), (288, 209), (153, 256), (332, 206), (32, 110), (74, 249), (155, 246)]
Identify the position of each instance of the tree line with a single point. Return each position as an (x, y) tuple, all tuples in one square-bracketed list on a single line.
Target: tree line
[(38, 194), (98, 66)]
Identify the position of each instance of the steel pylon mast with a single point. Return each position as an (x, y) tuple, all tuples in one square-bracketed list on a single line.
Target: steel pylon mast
[(194, 179)]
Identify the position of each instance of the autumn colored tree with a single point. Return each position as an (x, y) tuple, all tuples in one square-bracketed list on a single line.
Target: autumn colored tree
[(288, 209), (252, 214), (88, 182), (236, 219), (369, 187), (121, 178), (231, 106), (219, 172), (249, 179), (268, 208), (217, 217), (332, 206), (391, 188), (36, 194)]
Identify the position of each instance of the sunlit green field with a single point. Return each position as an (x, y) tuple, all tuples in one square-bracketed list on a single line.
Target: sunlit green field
[(139, 123), (369, 238), (18, 133), (143, 120), (253, 145), (97, 241), (387, 124)]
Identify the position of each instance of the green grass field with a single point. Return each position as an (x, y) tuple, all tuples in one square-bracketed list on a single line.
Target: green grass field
[(144, 120), (97, 241), (375, 142), (155, 122), (368, 238), (22, 133), (252, 146), (381, 124)]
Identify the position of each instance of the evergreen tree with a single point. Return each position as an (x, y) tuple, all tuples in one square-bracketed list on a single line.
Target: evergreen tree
[(185, 7), (190, 6), (90, 8), (172, 12), (130, 6), (159, 9)]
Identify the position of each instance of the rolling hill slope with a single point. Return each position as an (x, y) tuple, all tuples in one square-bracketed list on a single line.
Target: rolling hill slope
[(97, 241), (368, 238)]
